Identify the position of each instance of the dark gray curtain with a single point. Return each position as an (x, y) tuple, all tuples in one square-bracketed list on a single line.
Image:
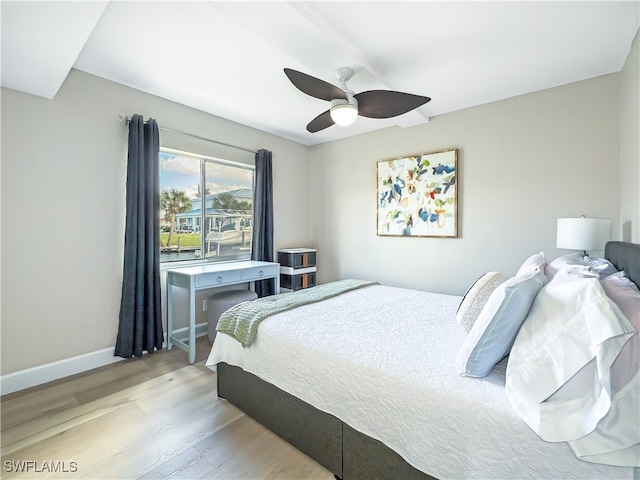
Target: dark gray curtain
[(140, 325), (262, 244)]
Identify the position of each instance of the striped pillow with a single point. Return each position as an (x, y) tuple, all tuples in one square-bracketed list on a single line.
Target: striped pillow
[(476, 297)]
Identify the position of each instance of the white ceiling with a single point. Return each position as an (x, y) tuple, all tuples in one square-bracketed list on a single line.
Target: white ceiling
[(227, 58)]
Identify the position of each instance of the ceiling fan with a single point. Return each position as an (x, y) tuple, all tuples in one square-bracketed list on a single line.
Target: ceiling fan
[(346, 105)]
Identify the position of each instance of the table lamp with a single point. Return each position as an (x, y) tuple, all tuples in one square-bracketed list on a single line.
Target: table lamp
[(583, 234)]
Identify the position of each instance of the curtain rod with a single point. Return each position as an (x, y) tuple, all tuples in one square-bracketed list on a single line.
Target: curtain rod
[(124, 118)]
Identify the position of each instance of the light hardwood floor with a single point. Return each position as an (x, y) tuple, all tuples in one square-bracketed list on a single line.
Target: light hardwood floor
[(152, 417)]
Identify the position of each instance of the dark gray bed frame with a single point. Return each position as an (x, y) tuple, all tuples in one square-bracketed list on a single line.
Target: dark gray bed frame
[(349, 454)]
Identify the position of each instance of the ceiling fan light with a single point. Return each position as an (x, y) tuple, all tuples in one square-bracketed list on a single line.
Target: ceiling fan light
[(344, 114)]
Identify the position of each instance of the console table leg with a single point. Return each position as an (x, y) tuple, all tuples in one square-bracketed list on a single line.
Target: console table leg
[(169, 311), (192, 324)]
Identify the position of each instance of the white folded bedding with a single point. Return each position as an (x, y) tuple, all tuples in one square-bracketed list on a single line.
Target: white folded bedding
[(382, 359)]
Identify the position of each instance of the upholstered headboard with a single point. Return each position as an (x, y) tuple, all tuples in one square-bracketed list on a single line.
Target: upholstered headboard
[(625, 256)]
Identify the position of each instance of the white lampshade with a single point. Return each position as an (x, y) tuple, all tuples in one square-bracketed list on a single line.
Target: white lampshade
[(344, 114), (583, 233)]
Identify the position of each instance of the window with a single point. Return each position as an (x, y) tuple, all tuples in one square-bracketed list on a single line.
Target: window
[(206, 208)]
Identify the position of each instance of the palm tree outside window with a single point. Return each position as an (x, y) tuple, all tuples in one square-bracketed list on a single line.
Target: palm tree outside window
[(173, 202)]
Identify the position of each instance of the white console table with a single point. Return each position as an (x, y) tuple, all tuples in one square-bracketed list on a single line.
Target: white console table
[(212, 275)]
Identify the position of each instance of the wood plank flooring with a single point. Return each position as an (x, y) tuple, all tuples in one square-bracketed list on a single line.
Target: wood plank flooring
[(156, 417)]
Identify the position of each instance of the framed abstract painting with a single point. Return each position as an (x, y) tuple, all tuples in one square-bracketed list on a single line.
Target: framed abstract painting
[(417, 195)]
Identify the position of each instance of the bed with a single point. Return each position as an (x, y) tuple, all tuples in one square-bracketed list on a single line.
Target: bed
[(368, 384)]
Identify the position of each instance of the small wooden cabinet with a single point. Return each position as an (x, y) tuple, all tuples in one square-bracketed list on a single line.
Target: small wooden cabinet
[(297, 268)]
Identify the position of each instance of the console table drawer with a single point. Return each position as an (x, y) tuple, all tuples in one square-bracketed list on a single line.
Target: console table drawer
[(220, 278), (260, 272)]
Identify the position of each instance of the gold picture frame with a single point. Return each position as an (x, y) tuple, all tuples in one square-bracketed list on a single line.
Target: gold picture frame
[(418, 195)]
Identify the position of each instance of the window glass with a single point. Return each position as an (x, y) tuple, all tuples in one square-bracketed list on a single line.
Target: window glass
[(206, 208)]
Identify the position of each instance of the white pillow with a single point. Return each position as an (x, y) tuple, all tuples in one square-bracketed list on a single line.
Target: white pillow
[(600, 267), (572, 330), (616, 439), (493, 333), (532, 264), (476, 297)]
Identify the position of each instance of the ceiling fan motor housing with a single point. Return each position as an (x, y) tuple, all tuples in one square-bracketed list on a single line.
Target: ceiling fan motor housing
[(350, 100)]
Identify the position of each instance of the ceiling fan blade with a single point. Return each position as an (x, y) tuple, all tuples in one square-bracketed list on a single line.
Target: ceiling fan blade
[(387, 103), (321, 122), (314, 86)]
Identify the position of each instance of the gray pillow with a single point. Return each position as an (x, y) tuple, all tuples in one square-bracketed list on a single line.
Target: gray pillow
[(495, 330), (476, 297)]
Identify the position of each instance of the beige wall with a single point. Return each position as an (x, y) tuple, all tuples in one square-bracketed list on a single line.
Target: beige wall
[(523, 162), (630, 146), (63, 196)]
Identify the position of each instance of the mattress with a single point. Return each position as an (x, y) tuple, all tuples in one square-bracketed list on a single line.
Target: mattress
[(382, 359)]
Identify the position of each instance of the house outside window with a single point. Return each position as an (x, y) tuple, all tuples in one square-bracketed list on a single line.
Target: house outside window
[(206, 208)]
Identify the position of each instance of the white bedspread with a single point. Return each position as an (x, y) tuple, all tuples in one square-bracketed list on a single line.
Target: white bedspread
[(382, 359)]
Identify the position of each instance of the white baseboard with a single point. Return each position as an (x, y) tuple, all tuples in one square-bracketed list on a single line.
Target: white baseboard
[(30, 377)]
